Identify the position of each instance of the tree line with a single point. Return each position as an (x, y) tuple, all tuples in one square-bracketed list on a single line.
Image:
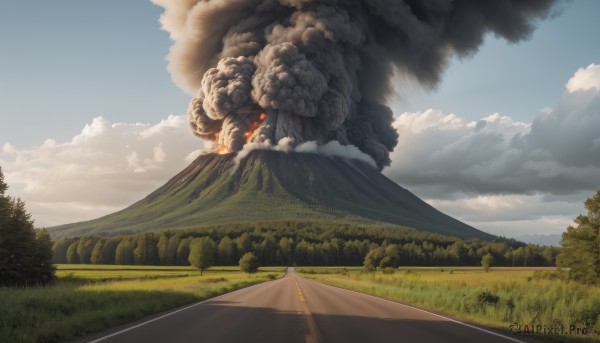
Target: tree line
[(306, 245)]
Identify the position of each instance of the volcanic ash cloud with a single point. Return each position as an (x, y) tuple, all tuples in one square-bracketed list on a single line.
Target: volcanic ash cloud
[(309, 70)]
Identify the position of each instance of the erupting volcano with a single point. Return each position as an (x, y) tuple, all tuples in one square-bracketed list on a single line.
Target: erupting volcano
[(295, 72), (272, 187)]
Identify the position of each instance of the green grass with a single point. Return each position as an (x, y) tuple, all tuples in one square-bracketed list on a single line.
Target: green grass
[(523, 296), (89, 298)]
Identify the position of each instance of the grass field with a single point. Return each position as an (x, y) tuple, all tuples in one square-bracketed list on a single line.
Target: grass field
[(497, 299), (88, 298)]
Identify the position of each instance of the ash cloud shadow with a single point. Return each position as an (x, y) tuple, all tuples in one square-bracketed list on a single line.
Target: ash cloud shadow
[(225, 321)]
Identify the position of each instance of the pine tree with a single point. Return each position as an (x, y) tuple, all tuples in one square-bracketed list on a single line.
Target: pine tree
[(25, 255), (43, 269)]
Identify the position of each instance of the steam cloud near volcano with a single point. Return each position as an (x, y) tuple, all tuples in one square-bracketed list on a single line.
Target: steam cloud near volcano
[(320, 70)]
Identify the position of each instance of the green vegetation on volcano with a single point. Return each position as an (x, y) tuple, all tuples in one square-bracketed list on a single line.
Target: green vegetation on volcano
[(274, 187)]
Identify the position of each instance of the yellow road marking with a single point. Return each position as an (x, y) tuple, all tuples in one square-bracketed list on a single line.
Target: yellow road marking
[(300, 295), (313, 335)]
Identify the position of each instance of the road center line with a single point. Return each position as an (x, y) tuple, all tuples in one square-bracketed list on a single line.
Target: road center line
[(300, 295), (313, 336)]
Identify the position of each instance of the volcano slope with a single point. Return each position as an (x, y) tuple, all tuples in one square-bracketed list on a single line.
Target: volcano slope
[(270, 187)]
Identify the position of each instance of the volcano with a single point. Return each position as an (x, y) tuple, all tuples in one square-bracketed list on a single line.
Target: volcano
[(270, 187)]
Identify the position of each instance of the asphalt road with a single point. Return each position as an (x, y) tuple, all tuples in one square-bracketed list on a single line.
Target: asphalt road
[(293, 309)]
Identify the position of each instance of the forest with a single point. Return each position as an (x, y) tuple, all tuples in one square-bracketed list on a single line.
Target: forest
[(303, 244)]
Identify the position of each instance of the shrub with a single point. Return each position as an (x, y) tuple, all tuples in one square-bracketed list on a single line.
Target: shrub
[(249, 263), (479, 299)]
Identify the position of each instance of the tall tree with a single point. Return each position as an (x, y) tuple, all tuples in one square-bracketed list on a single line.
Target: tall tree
[(580, 251), (301, 253), (202, 253), (85, 248), (183, 252), (172, 250), (163, 246), (60, 250), (286, 250), (97, 255), (25, 255), (145, 251), (269, 249), (109, 250), (226, 251), (72, 257), (43, 267), (243, 244), (124, 252)]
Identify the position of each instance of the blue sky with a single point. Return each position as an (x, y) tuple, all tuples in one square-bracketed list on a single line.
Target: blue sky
[(65, 62), (76, 76), (517, 79)]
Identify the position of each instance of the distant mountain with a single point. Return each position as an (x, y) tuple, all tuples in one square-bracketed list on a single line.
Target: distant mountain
[(550, 240), (271, 186)]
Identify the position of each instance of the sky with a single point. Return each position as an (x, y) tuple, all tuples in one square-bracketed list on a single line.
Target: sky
[(90, 120)]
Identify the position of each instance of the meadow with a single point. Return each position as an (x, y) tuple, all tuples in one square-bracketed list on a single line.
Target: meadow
[(89, 298), (495, 299)]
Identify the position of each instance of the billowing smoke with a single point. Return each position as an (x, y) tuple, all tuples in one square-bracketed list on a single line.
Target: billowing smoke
[(320, 70)]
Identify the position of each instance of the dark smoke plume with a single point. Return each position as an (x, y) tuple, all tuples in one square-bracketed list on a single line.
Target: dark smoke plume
[(320, 70)]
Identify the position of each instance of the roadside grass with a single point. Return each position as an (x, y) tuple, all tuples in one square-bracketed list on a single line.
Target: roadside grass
[(85, 299), (496, 299)]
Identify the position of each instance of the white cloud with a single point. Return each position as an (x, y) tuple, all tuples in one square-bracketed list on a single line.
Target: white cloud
[(100, 170), (333, 148), (502, 175), (557, 153), (513, 214), (585, 79)]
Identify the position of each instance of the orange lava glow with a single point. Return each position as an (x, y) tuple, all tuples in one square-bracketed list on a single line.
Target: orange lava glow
[(254, 126), (222, 150)]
